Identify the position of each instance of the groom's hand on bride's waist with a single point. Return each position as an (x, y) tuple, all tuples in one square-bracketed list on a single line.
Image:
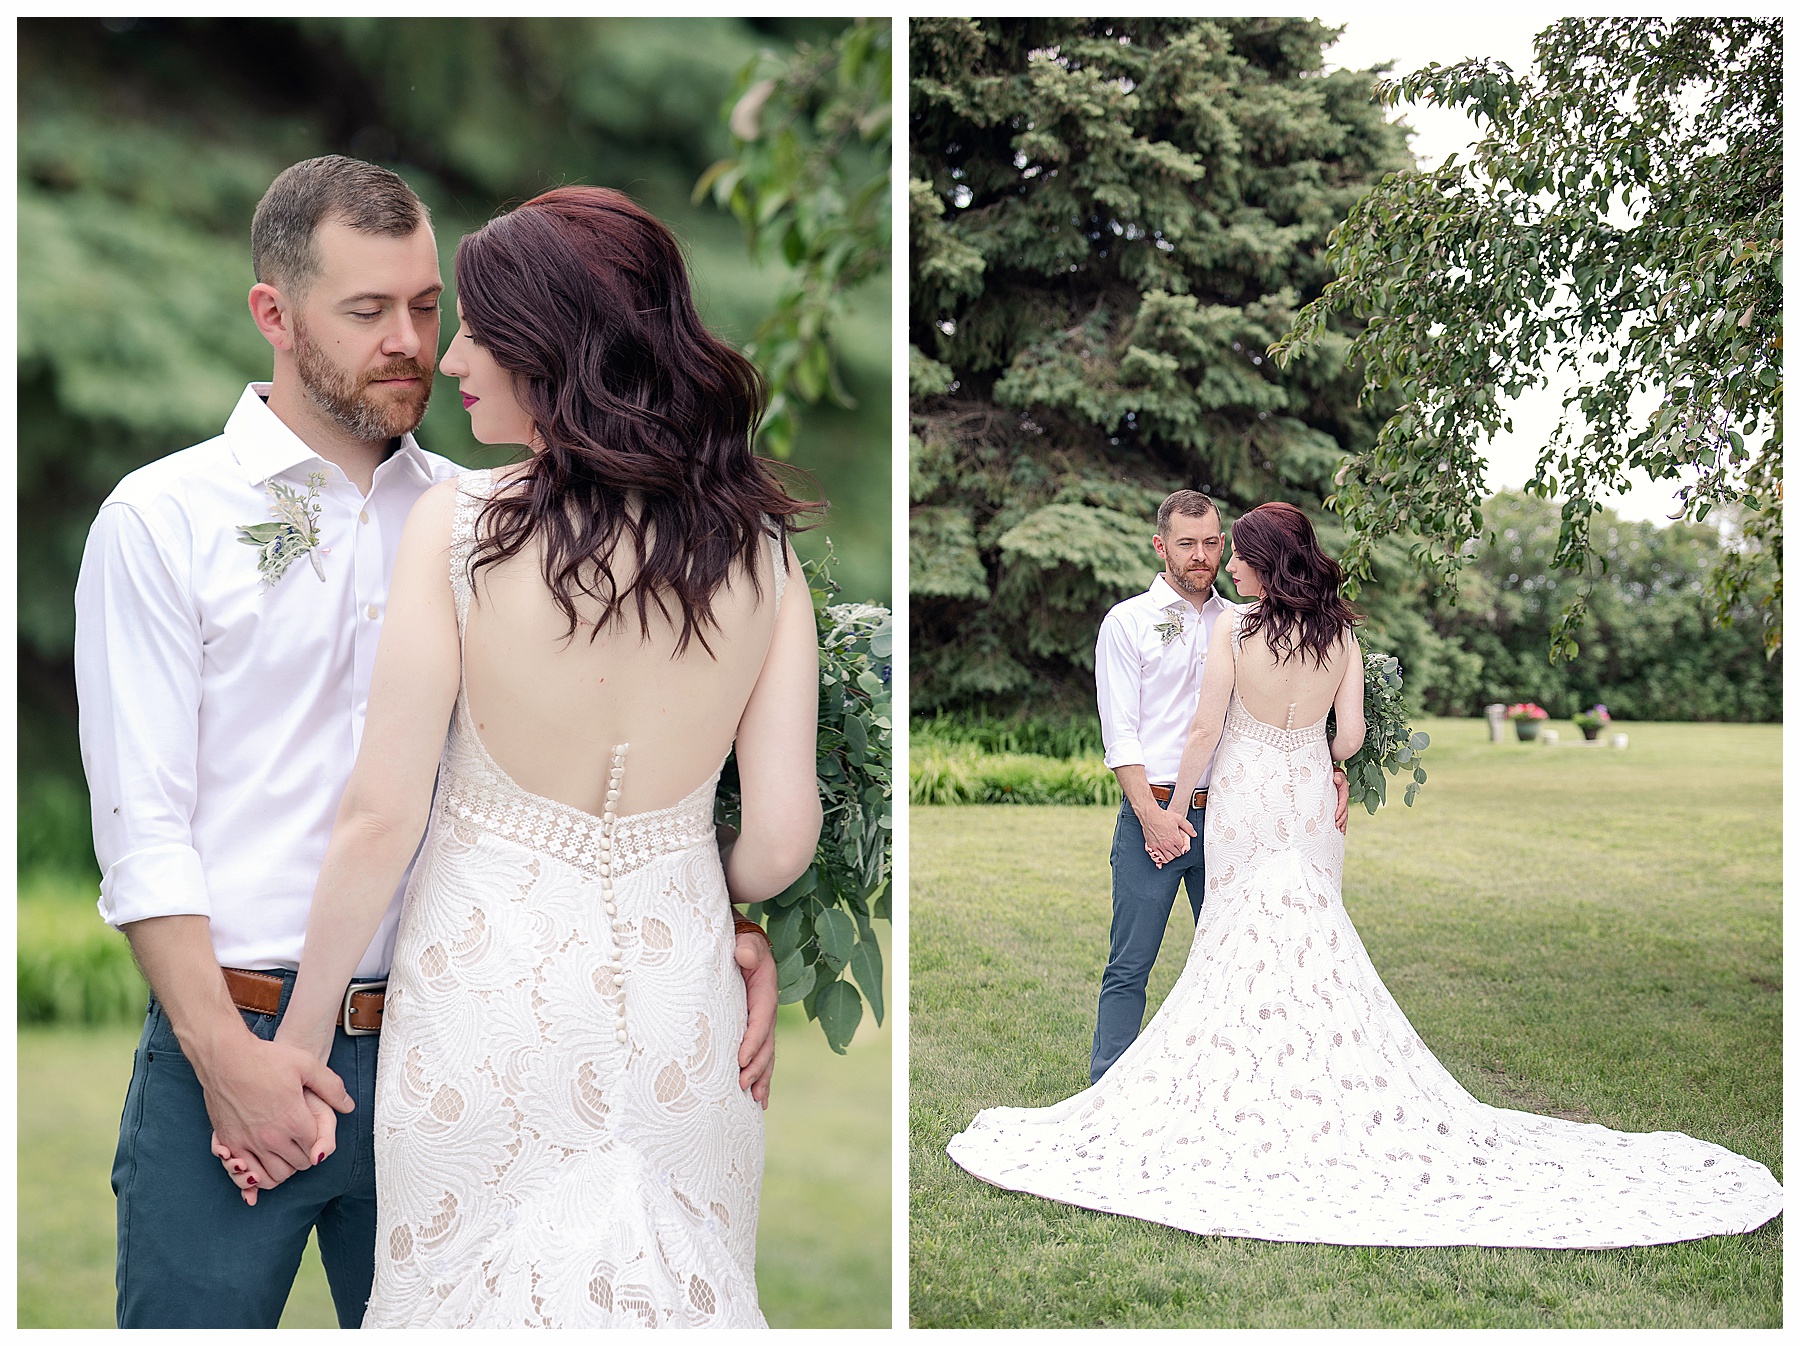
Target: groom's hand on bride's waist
[(756, 1055)]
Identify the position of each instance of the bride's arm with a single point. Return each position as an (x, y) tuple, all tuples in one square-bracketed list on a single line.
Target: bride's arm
[(777, 754), (388, 800), (1351, 727), (1209, 715)]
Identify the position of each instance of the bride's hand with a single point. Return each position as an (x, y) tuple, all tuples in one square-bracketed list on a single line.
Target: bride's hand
[(243, 1170), (249, 1175)]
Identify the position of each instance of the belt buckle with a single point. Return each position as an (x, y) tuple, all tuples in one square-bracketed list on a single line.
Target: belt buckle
[(352, 989)]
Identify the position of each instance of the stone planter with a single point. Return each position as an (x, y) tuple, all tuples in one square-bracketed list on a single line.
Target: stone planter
[(1590, 731), (1527, 729)]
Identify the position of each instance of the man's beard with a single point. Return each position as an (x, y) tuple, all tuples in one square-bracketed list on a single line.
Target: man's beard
[(1192, 583), (346, 400)]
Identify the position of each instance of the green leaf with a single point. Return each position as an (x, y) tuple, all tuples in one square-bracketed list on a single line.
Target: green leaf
[(837, 937), (794, 978), (839, 1010), (799, 888), (865, 966), (856, 737), (784, 931)]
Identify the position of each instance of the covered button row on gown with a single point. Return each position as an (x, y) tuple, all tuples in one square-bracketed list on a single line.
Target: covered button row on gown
[(609, 821)]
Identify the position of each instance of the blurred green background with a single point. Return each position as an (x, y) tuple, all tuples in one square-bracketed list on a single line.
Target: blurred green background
[(144, 145)]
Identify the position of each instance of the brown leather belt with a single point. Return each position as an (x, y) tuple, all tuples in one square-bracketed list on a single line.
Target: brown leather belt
[(260, 993), (1161, 793)]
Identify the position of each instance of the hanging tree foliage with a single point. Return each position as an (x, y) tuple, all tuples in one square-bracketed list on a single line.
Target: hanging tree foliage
[(1111, 220), (1620, 214)]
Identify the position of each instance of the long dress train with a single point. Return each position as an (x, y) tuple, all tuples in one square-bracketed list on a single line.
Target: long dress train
[(560, 1138), (1279, 1093)]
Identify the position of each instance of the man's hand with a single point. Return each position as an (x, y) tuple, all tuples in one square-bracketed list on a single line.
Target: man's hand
[(1166, 834), (1339, 779), (251, 1177), (256, 1096), (756, 1057)]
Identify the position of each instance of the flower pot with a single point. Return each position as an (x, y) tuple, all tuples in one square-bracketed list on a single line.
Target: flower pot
[(1590, 732), (1528, 730)]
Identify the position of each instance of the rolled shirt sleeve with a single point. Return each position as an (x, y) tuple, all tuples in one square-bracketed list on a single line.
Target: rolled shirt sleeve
[(1117, 679), (137, 676)]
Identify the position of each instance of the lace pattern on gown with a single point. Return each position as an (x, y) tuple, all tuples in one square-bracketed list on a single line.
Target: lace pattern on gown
[(1280, 1093), (560, 1139)]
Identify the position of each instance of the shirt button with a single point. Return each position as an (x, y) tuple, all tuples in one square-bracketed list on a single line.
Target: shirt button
[(363, 517), (374, 612)]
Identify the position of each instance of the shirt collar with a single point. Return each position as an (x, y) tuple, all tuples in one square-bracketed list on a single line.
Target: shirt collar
[(1163, 595), (265, 446)]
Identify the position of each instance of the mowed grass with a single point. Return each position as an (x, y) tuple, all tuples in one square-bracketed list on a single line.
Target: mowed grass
[(1577, 930), (824, 1240)]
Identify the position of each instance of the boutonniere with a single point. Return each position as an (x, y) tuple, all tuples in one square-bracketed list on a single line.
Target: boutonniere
[(293, 534), (1170, 627)]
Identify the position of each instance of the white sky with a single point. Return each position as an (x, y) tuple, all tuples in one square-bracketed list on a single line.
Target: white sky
[(1411, 39)]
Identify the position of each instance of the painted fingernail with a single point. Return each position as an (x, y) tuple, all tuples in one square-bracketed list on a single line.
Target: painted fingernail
[(321, 1158), (250, 1181)]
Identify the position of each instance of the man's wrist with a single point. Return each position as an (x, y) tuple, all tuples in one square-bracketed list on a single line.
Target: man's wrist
[(216, 1038)]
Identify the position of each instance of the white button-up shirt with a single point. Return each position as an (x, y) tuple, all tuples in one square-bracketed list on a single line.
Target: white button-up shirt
[(220, 717), (1148, 664)]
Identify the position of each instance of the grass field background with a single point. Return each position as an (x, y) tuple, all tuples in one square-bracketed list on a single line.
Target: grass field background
[(1571, 929), (823, 1243)]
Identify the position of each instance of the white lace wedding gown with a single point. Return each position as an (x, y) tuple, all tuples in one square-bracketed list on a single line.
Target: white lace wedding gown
[(560, 1138), (1279, 1093)]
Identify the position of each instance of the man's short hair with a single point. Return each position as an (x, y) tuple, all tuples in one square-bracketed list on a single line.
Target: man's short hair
[(1188, 504), (367, 197)]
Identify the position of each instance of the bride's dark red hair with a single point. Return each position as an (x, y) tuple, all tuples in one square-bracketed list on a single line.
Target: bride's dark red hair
[(583, 295), (1301, 610)]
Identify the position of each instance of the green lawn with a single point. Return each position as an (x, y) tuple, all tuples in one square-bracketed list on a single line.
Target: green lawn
[(1571, 929), (823, 1248)]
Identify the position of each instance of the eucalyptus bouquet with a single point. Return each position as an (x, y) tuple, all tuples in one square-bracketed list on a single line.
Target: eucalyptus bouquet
[(1391, 745), (821, 927)]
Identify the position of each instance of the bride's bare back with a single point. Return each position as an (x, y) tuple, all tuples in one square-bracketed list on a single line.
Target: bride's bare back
[(550, 709), (1292, 693)]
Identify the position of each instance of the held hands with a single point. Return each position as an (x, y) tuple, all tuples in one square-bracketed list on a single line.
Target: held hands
[(756, 1057), (1342, 818), (251, 1177), (1166, 835), (274, 1111)]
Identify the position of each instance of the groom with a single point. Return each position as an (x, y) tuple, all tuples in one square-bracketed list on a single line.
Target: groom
[(1148, 665), (222, 692)]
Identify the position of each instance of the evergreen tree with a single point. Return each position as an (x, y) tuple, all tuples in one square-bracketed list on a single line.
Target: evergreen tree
[(1111, 221)]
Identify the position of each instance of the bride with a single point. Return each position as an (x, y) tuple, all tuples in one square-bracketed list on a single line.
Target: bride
[(1279, 1093), (560, 1134)]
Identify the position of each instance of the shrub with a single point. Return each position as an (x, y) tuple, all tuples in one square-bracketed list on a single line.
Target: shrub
[(72, 968)]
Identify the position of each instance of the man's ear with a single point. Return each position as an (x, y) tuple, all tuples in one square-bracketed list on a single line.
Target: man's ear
[(273, 315), (1157, 542)]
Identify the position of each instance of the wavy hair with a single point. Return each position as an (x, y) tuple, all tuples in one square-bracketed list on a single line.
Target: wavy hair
[(1301, 611), (583, 295)]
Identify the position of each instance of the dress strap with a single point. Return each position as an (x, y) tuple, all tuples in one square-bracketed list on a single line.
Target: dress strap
[(472, 491), (778, 551)]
